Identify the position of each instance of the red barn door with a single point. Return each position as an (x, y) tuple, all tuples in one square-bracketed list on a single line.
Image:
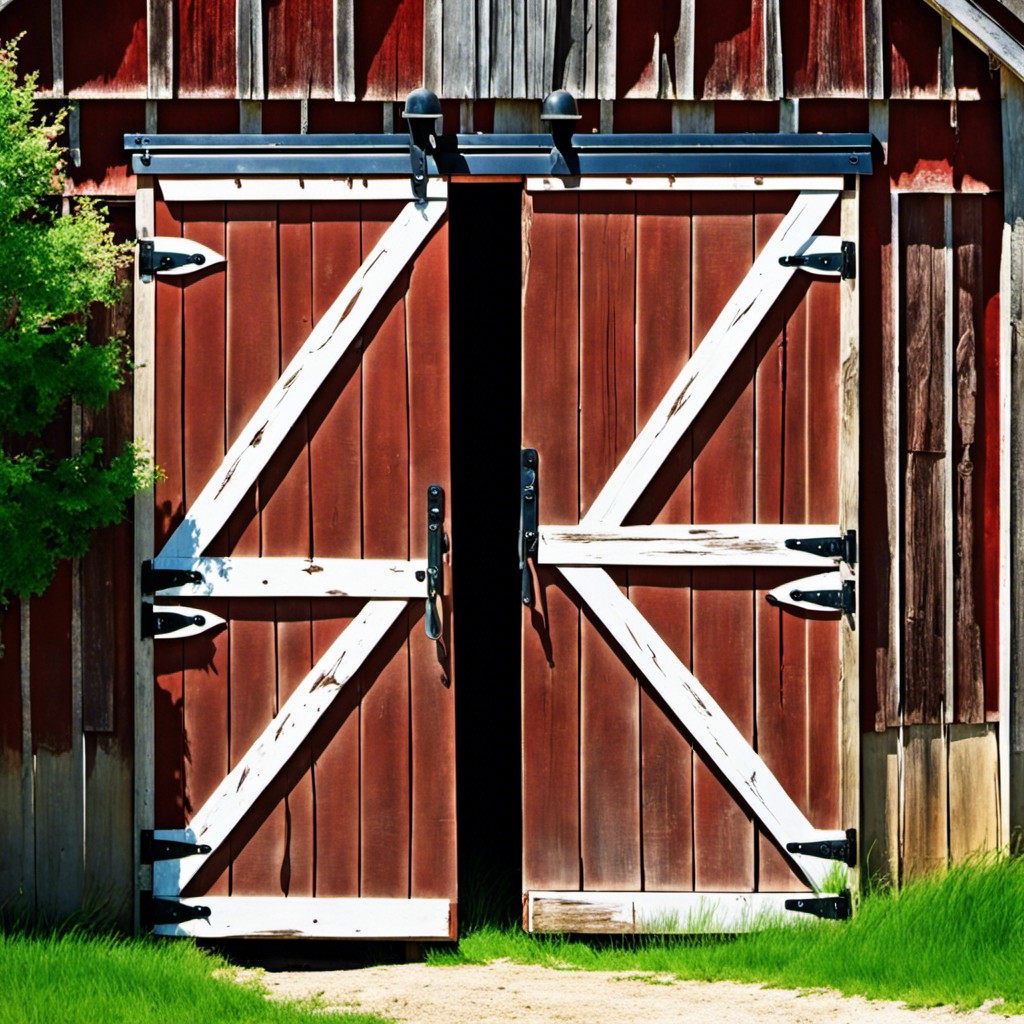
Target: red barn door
[(687, 385), (304, 724)]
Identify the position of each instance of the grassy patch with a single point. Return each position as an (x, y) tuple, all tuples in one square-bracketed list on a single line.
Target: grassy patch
[(953, 940), (102, 980)]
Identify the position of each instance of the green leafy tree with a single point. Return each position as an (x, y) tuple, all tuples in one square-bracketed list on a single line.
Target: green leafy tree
[(54, 268)]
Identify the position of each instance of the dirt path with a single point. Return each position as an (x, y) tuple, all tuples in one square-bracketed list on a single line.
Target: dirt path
[(501, 993)]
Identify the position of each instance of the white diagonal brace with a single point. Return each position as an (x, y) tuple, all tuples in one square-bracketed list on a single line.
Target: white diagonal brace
[(290, 396), (263, 761), (741, 544), (297, 577), (709, 363), (708, 725)]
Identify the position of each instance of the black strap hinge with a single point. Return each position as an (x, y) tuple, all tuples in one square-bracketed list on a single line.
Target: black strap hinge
[(156, 622), (830, 849), (437, 544), (844, 261), (152, 261), (832, 908), (151, 850), (166, 579), (844, 599), (155, 911), (844, 548), (529, 518)]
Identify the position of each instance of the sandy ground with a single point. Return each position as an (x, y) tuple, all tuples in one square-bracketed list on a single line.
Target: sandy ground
[(501, 992)]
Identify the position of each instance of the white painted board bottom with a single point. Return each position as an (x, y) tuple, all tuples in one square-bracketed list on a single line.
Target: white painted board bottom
[(660, 913), (290, 917)]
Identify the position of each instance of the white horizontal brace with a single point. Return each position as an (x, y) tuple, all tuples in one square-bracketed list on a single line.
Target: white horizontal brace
[(684, 183), (753, 544), (315, 917), (328, 342), (710, 362), (297, 577), (262, 762), (268, 189), (664, 913), (708, 725)]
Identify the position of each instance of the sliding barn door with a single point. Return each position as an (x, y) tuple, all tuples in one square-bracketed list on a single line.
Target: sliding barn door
[(304, 722), (691, 401)]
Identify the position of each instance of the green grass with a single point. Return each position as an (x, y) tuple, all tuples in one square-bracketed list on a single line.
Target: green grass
[(956, 940), (77, 978)]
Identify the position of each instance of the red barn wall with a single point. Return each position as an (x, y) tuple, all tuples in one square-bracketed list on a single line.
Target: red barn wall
[(890, 67)]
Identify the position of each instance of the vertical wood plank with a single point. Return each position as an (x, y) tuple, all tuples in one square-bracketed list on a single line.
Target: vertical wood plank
[(160, 49), (609, 695), (344, 50), (607, 22), (825, 48), (384, 808), (914, 37), (207, 42), (924, 844), (336, 511), (57, 45), (923, 286), (663, 596), (967, 245), (15, 889), (207, 665), (773, 86), (729, 50), (684, 50), (874, 52), (105, 56), (433, 870), (143, 350), (388, 51), (879, 835), (300, 50), (458, 73), (286, 531), (166, 699), (249, 49), (1011, 470), (785, 394), (250, 371), (550, 686), (974, 825), (723, 485), (849, 516), (433, 44)]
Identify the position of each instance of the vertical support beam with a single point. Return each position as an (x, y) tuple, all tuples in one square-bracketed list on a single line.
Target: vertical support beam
[(249, 53), (466, 117), (789, 117), (878, 125), (693, 117), (160, 49), (607, 117), (143, 426), (344, 48), (75, 133), (849, 504), (250, 117), (1012, 465), (28, 795), (773, 80), (152, 115), (874, 54), (684, 47), (57, 45)]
